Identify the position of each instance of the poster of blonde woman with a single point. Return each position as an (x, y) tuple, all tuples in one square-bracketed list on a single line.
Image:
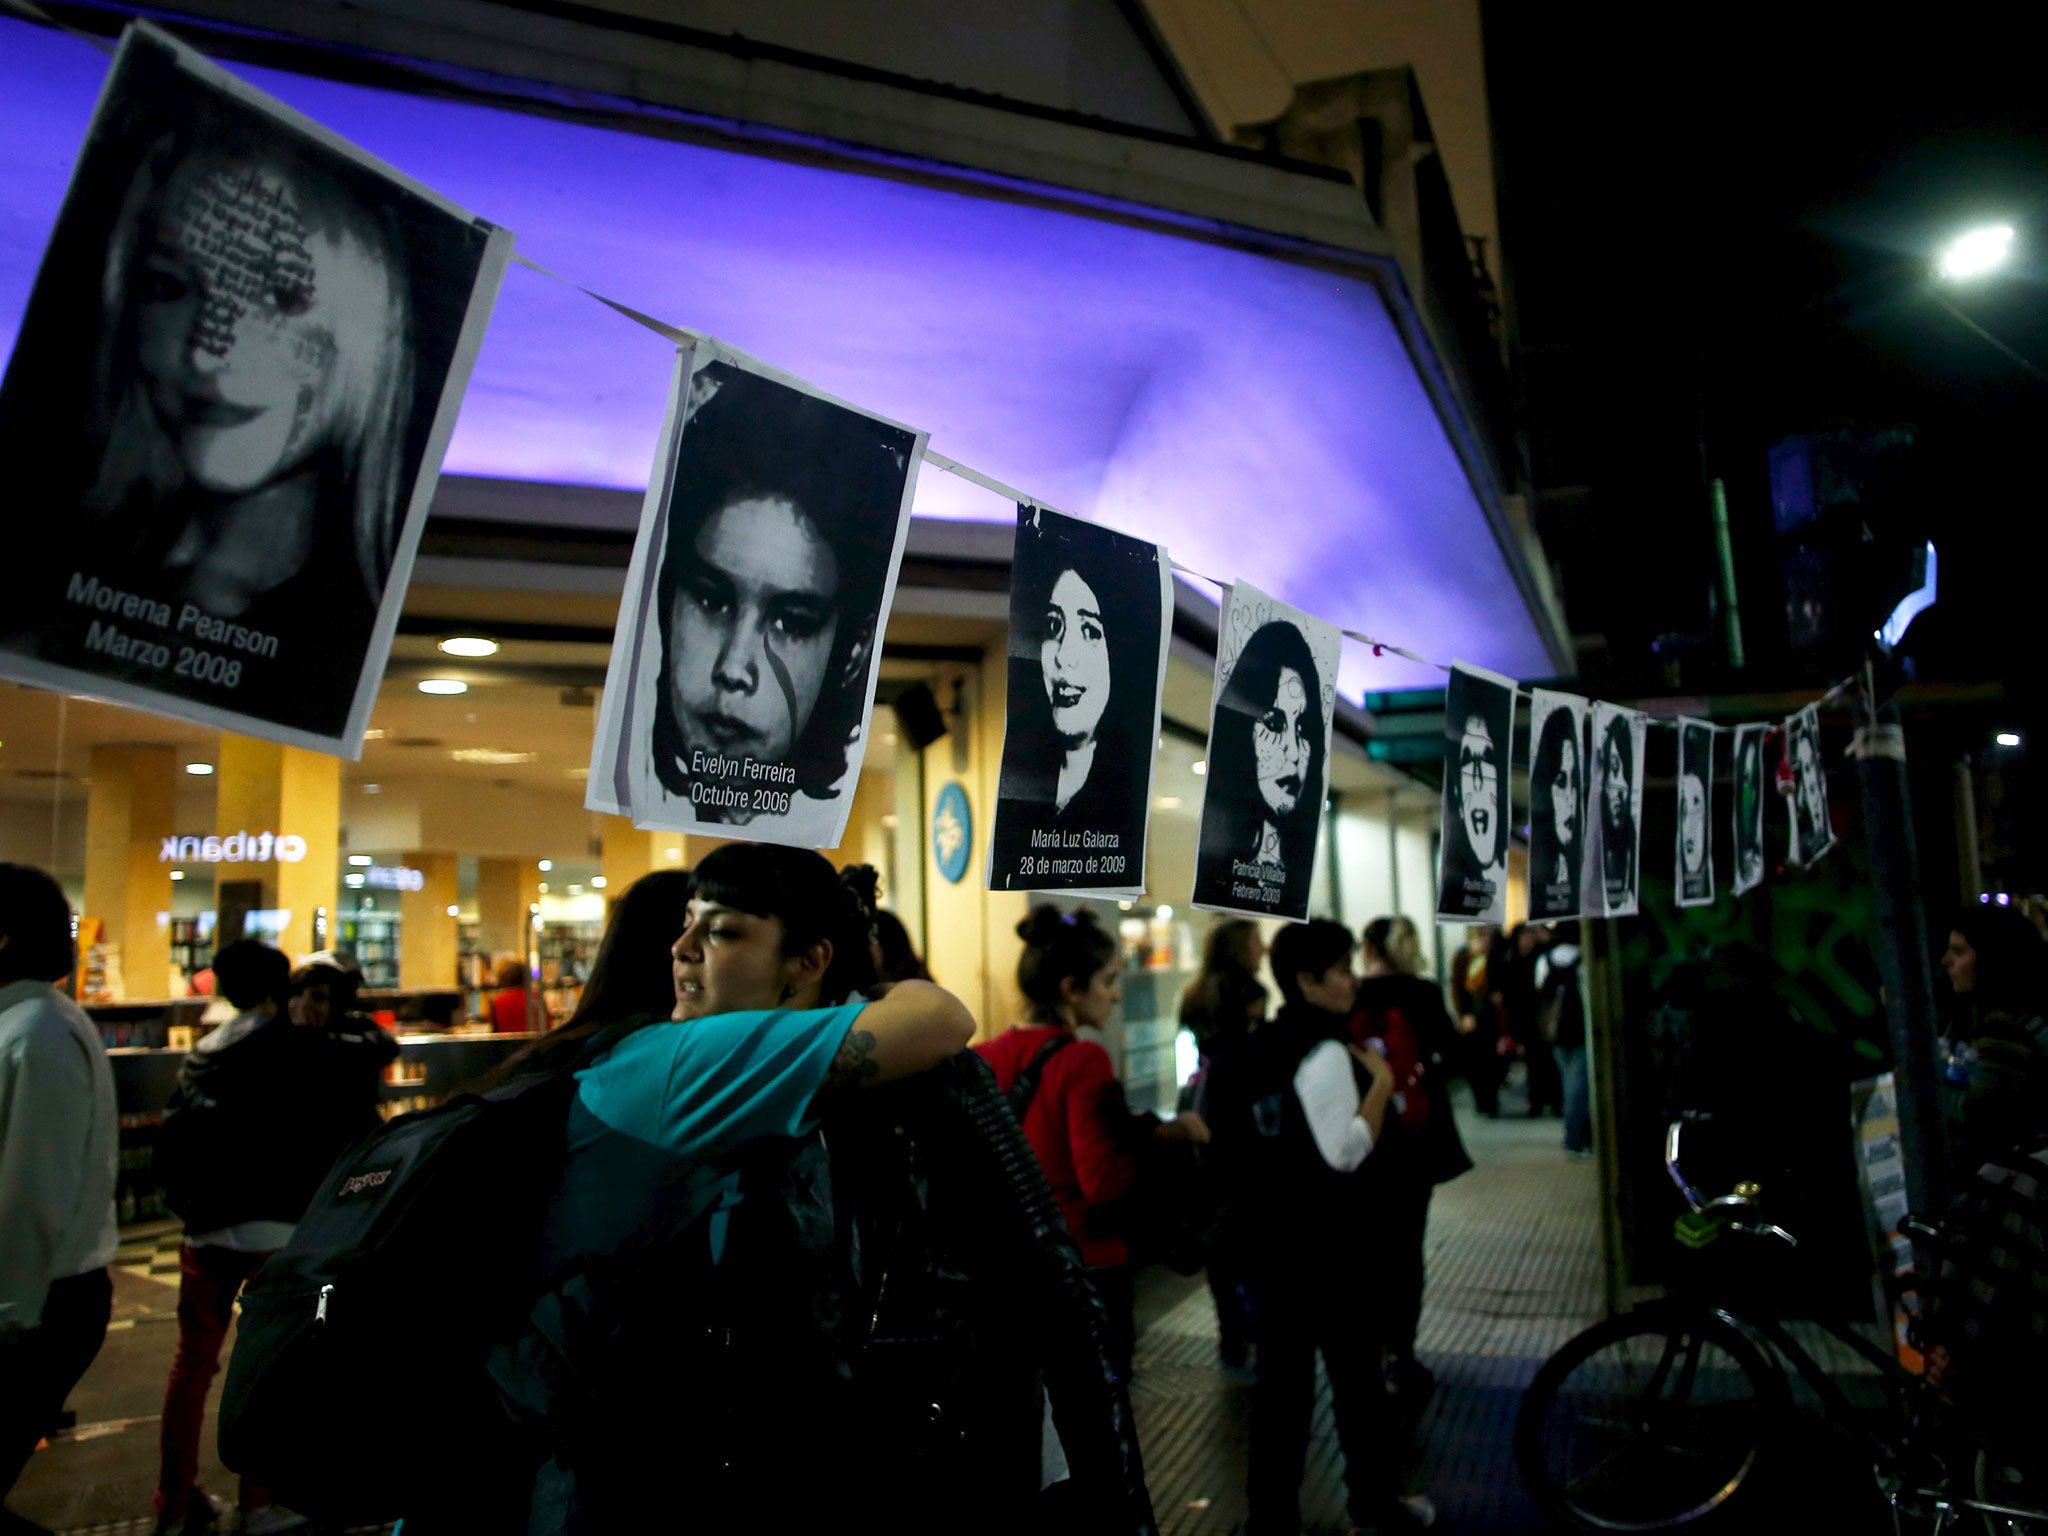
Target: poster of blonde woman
[(228, 404)]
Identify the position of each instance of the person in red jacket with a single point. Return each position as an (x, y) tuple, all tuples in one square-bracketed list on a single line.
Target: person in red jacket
[(1066, 1093)]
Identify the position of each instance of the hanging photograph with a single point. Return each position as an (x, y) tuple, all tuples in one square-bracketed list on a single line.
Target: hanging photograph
[(1269, 751), (1557, 804), (1748, 839), (1812, 833), (1479, 733), (1090, 617), (743, 672), (1620, 737), (227, 407), (1695, 852)]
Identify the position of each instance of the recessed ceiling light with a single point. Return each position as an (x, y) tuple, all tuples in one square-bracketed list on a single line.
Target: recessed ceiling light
[(1168, 802), (373, 789), (1201, 767), (455, 911), (495, 756), (469, 645), (375, 733), (199, 770), (546, 865), (352, 880), (361, 860), (543, 887), (575, 890), (177, 874), (2008, 738), (443, 685), (597, 882)]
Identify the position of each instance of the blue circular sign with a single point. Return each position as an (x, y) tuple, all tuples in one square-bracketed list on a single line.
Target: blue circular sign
[(952, 832)]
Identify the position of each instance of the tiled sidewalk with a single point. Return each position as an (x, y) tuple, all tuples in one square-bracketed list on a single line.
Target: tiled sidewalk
[(1514, 1271)]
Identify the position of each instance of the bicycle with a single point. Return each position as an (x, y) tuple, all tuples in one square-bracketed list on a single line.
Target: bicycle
[(1666, 1415)]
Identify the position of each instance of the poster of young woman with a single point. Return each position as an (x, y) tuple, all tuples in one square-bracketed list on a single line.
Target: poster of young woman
[(228, 404), (1695, 846), (1479, 731), (1620, 739), (1090, 612), (1269, 757), (1812, 832), (743, 673), (1748, 835), (1557, 804)]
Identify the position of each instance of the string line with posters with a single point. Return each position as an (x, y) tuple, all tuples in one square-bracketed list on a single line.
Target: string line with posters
[(284, 334)]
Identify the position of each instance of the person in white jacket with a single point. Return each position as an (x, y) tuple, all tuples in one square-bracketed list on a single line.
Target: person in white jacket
[(58, 1154)]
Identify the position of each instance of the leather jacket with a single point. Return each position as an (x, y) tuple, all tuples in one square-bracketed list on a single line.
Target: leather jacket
[(863, 1337)]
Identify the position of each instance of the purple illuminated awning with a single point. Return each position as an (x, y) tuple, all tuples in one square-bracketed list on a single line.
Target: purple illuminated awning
[(1259, 416)]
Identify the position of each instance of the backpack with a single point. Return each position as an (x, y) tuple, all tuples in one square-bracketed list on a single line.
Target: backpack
[(418, 1254)]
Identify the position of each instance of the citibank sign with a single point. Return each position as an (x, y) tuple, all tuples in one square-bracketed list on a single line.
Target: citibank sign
[(235, 848)]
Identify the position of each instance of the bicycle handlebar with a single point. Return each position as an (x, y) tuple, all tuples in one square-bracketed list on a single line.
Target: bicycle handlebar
[(1742, 1198)]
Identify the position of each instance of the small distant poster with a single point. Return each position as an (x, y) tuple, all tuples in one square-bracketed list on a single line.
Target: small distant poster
[(1613, 852), (1748, 838), (227, 407), (1090, 616), (1695, 851), (1479, 731), (743, 673), (1557, 804), (1269, 757), (1812, 832)]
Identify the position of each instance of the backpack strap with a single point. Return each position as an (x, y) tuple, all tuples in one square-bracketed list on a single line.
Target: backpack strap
[(1024, 1087)]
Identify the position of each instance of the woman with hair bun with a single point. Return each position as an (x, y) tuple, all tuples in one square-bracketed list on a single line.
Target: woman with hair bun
[(1064, 1089)]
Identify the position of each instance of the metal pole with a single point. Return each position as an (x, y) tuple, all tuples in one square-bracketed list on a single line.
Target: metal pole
[(1902, 962), (1724, 551)]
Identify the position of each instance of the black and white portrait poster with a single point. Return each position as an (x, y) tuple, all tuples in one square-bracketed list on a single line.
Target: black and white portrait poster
[(227, 407), (743, 672), (1748, 834), (1620, 737), (1269, 757), (1557, 804), (1090, 612), (1479, 733), (1694, 868), (1812, 833)]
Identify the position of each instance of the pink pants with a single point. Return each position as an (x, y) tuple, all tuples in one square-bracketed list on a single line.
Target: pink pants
[(209, 1280)]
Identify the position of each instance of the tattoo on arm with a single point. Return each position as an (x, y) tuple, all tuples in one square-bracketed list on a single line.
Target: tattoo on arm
[(852, 1065)]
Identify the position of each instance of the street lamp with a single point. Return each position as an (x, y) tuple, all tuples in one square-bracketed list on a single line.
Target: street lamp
[(1975, 252)]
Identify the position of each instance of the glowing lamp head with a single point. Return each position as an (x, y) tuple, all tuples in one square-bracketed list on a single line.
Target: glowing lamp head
[(1975, 252)]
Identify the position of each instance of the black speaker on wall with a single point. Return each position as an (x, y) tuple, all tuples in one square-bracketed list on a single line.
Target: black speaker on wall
[(919, 717)]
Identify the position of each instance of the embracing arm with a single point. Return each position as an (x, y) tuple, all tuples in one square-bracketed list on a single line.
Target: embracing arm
[(912, 1029)]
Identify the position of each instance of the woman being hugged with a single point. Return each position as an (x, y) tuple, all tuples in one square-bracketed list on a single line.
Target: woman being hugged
[(1070, 1102)]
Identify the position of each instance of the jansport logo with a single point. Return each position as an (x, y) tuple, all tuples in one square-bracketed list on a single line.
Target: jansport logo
[(362, 1181)]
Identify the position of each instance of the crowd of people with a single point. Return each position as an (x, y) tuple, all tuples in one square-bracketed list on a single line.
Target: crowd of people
[(791, 1209)]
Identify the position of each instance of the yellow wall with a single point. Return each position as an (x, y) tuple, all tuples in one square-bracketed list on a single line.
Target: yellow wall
[(970, 937), (427, 927), (265, 787), (506, 892), (131, 810)]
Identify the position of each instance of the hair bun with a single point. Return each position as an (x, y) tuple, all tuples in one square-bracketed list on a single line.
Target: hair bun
[(863, 882), (1048, 923)]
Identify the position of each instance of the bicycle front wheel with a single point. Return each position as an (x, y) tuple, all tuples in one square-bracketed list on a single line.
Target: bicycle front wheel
[(1649, 1421)]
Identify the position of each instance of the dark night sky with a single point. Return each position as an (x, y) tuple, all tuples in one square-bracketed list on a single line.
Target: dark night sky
[(1725, 237)]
